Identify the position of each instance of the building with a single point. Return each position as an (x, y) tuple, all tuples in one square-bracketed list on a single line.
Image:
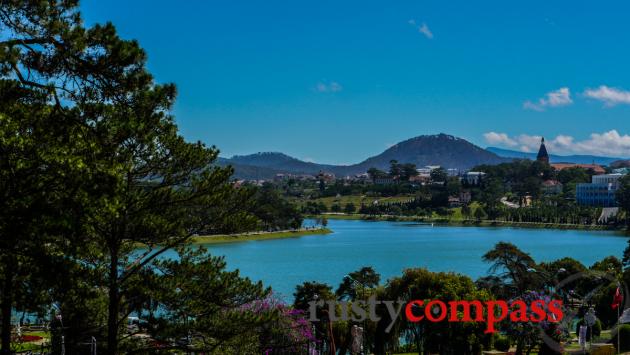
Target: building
[(551, 187), (452, 172), (474, 177), (465, 197), (420, 178), (384, 180), (600, 192), (542, 156), (364, 178), (612, 179), (282, 177), (427, 169), (596, 168), (454, 202), (328, 178), (621, 171)]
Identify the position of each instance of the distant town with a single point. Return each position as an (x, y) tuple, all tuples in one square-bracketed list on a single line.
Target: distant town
[(587, 185)]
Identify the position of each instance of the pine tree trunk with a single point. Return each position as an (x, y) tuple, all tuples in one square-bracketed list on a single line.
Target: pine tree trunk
[(112, 319)]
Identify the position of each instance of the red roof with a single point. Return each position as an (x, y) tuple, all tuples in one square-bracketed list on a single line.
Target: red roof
[(596, 168)]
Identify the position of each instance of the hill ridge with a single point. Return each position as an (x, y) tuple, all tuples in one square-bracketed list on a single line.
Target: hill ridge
[(436, 149)]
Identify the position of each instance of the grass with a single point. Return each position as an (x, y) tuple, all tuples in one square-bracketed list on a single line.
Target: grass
[(232, 238), (357, 200), (31, 346), (26, 347), (454, 218)]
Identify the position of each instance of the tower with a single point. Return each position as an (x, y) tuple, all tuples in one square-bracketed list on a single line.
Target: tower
[(542, 156)]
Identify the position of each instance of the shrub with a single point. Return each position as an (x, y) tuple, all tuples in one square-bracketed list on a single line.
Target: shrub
[(624, 332), (502, 344)]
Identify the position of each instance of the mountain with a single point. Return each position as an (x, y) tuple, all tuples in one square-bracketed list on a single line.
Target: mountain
[(250, 172), (577, 159), (280, 161), (440, 149), (624, 163)]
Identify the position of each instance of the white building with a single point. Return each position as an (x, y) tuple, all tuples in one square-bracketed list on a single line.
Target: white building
[(612, 179), (452, 172), (427, 169), (474, 177)]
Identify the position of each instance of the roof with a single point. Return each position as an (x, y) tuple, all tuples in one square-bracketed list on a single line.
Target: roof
[(542, 152), (551, 183), (596, 168)]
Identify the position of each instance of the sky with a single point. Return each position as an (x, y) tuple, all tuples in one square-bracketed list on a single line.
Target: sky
[(339, 81)]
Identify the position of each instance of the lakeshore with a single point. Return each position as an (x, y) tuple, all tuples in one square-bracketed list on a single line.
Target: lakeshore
[(392, 246), (244, 237), (469, 222)]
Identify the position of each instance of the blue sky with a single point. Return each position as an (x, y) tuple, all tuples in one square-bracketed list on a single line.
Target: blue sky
[(338, 81)]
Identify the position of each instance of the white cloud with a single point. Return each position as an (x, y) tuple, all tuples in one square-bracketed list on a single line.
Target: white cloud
[(324, 86), (424, 29), (609, 143), (557, 98), (495, 138), (610, 96)]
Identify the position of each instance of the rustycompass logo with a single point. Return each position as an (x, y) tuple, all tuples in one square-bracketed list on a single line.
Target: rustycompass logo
[(415, 311), (550, 312)]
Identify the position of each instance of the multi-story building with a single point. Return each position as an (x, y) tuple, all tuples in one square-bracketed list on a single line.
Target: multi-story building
[(452, 172), (600, 192), (612, 179), (427, 169), (473, 177)]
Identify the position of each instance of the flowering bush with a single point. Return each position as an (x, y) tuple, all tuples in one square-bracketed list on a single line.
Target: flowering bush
[(30, 338), (549, 334), (288, 332)]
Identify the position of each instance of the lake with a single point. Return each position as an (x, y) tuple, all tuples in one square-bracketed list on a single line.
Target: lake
[(390, 247)]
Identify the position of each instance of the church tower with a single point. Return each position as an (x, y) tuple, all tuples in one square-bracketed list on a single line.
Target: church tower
[(542, 156)]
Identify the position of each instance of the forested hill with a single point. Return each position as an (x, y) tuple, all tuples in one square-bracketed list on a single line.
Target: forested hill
[(440, 149)]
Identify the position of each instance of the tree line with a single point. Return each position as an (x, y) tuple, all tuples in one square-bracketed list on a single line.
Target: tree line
[(98, 186), (512, 275)]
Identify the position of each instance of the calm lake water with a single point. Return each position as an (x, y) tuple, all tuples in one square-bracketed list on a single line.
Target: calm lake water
[(390, 247)]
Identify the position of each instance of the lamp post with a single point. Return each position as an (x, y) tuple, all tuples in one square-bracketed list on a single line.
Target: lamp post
[(60, 318), (547, 276), (333, 349), (363, 287), (590, 320)]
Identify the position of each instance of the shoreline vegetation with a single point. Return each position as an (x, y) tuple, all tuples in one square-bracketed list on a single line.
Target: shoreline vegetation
[(244, 237), (469, 222)]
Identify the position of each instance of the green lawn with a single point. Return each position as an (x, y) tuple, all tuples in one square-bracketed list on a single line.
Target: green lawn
[(31, 345), (218, 239)]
